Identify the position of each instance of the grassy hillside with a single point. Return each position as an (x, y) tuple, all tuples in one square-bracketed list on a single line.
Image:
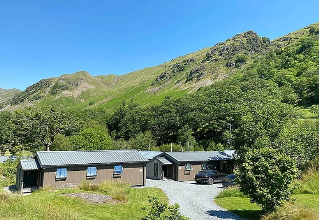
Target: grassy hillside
[(6, 94), (185, 74)]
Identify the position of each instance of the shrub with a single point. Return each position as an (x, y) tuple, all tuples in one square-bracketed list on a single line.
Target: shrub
[(266, 176), (160, 211), (8, 169)]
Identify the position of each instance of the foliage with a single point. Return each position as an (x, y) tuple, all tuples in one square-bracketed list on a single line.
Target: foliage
[(266, 176), (37, 128), (161, 211), (142, 141), (299, 139), (93, 138), (8, 170), (61, 142)]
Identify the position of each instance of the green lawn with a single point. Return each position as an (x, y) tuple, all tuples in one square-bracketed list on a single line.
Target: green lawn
[(309, 201), (49, 204), (240, 206), (304, 207)]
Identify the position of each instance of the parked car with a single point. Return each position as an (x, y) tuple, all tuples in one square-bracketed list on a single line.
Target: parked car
[(229, 180), (209, 176)]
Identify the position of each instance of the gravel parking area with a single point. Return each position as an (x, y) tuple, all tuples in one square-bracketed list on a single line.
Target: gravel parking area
[(195, 200)]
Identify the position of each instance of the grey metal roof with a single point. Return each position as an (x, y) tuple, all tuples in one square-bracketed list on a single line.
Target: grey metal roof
[(30, 164), (3, 159), (164, 161), (61, 158), (199, 156), (150, 154), (231, 153)]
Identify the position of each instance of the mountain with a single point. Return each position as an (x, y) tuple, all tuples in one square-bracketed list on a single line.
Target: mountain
[(6, 94), (179, 76)]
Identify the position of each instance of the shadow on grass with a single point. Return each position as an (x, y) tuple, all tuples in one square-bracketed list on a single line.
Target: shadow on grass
[(243, 214)]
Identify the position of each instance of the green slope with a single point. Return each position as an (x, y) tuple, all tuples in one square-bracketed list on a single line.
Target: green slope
[(175, 78), (7, 94)]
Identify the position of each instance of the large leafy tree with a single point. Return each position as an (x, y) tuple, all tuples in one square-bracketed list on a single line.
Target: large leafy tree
[(92, 138), (42, 125)]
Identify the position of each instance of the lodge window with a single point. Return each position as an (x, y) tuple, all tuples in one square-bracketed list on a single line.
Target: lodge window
[(91, 172), (188, 166), (61, 173), (204, 166), (118, 169)]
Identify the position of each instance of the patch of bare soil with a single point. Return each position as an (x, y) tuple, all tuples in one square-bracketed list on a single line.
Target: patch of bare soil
[(92, 198)]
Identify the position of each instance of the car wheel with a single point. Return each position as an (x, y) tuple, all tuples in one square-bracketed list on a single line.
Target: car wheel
[(210, 181)]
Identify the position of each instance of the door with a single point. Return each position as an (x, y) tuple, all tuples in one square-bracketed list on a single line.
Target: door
[(30, 178)]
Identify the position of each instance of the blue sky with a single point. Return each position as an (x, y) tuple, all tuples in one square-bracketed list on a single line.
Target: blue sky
[(48, 38)]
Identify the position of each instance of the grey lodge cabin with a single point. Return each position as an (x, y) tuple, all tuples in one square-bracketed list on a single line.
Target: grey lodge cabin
[(70, 168), (182, 166)]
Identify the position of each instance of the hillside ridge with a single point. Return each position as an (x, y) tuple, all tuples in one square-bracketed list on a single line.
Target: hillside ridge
[(184, 74)]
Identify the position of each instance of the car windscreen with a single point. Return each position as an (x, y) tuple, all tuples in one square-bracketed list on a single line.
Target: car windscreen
[(231, 176), (202, 173)]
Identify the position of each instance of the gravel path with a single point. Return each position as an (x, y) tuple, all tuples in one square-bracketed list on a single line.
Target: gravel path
[(195, 200)]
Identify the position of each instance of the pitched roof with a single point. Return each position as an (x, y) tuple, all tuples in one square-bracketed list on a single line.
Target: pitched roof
[(164, 161), (30, 164), (150, 154), (199, 156), (3, 159), (62, 158)]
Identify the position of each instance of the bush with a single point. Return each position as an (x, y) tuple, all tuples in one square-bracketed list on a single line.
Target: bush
[(8, 170), (266, 176), (161, 211)]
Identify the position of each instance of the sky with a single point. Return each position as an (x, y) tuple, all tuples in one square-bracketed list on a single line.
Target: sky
[(48, 38)]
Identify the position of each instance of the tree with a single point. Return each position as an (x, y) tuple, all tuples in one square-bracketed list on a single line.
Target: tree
[(42, 125), (92, 138), (142, 141), (185, 137), (61, 142), (266, 176)]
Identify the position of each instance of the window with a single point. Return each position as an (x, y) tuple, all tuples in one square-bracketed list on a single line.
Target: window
[(61, 173), (118, 169), (204, 166), (188, 166), (91, 171)]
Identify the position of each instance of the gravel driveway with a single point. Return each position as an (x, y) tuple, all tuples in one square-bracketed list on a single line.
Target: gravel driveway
[(195, 200)]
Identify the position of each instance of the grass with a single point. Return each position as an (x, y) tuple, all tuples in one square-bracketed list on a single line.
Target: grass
[(309, 183), (49, 204), (231, 192), (304, 204), (304, 207), (241, 207), (117, 189)]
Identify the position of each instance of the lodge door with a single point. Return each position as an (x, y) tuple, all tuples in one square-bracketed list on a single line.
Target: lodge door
[(30, 178)]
